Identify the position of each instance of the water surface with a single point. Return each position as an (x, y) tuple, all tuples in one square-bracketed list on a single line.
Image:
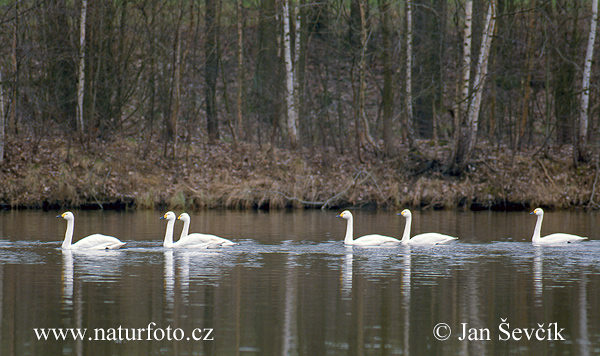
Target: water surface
[(291, 287)]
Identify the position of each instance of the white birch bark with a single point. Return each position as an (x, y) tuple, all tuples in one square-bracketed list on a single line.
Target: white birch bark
[(585, 90), (290, 78), (409, 106), (466, 67), (481, 71), (81, 79)]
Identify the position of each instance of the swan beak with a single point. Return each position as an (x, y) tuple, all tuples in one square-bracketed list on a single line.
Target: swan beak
[(61, 215), (162, 217), (400, 214), (338, 216), (179, 217)]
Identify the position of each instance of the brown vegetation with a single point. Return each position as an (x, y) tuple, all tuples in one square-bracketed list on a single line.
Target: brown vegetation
[(117, 174)]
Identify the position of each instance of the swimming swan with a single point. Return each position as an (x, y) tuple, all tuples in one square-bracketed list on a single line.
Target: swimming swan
[(367, 240), (186, 241), (559, 238), (430, 238), (207, 238), (92, 242)]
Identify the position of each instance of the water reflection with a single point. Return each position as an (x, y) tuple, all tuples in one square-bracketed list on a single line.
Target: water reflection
[(406, 286), (293, 293)]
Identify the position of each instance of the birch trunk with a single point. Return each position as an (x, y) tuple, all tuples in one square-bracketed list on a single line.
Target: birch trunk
[(81, 79), (580, 146), (466, 135), (409, 106), (290, 78), (480, 76), (466, 67)]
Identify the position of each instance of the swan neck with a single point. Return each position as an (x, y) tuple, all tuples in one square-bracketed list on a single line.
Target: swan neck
[(169, 234), (538, 228), (406, 235), (348, 240), (68, 235), (186, 229)]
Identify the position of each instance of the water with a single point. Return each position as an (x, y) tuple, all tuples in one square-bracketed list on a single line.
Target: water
[(292, 288)]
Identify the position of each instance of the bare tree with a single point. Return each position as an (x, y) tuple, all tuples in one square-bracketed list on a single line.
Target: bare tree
[(467, 133), (81, 69), (580, 146), (240, 124), (211, 69), (290, 78), (388, 90), (2, 117), (409, 97)]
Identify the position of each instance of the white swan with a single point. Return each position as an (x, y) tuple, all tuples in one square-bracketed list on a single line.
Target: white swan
[(367, 240), (186, 241), (205, 237), (92, 242), (429, 238), (559, 238)]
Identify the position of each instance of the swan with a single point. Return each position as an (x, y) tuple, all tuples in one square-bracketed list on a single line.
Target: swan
[(186, 241), (92, 242), (559, 238), (206, 238), (367, 240), (429, 238)]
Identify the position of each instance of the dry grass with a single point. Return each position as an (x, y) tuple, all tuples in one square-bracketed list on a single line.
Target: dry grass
[(115, 175)]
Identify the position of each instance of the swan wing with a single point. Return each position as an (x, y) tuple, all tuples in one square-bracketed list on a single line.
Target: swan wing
[(97, 242), (375, 240), (197, 240), (431, 238), (560, 238)]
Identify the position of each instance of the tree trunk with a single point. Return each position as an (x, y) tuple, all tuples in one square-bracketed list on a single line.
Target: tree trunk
[(580, 146), (12, 115), (211, 69), (409, 105), (388, 87), (2, 117), (241, 126), (81, 78), (466, 65), (176, 94), (363, 131), (290, 78), (467, 134)]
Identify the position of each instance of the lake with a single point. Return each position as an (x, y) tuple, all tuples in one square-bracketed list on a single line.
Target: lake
[(292, 288)]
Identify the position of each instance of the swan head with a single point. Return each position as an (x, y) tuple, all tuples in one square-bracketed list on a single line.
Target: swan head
[(67, 216), (345, 215), (538, 212), (406, 213), (184, 217), (170, 216)]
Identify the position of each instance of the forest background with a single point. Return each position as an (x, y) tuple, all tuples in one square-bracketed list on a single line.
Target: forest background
[(480, 104)]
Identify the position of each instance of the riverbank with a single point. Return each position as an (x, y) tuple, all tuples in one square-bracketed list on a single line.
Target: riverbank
[(129, 174)]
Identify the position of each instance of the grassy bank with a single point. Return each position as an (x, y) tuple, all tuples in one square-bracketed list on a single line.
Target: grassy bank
[(126, 173)]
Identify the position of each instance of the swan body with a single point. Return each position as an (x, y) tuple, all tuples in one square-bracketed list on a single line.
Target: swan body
[(367, 240), (559, 238), (429, 238), (92, 242), (212, 239), (188, 241)]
